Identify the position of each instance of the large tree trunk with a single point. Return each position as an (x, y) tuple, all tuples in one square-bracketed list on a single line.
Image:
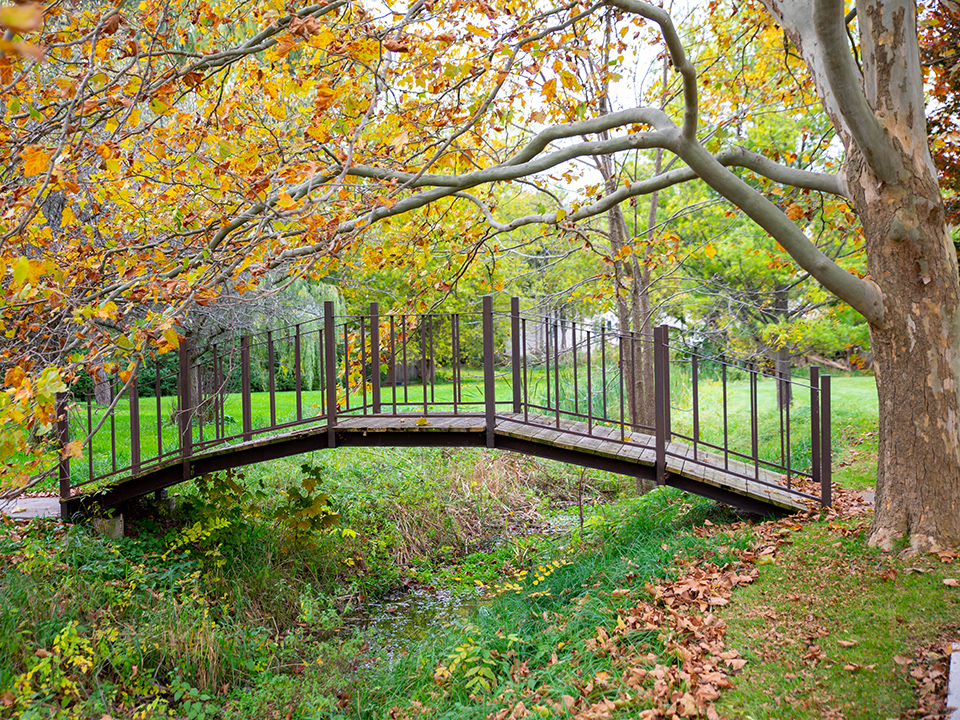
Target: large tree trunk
[(916, 355)]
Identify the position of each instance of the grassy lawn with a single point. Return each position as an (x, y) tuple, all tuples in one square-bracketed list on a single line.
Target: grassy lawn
[(834, 629)]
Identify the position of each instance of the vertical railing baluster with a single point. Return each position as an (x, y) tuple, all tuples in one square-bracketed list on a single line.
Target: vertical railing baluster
[(546, 358), (363, 367), (815, 424), (185, 417), (330, 361), (271, 379), (393, 361), (433, 361), (826, 452), (576, 385), (455, 359), (660, 399), (134, 392), (199, 402), (375, 355), (556, 369), (620, 365), (632, 388), (489, 381), (297, 372), (113, 426), (159, 410), (589, 389), (216, 399), (726, 426), (186, 402), (695, 372), (406, 378), (63, 439), (789, 449), (668, 428), (423, 361), (754, 431), (346, 368), (89, 439), (515, 351), (526, 386), (603, 370), (245, 399)]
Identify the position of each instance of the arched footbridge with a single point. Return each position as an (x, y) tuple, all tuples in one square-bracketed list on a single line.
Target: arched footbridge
[(542, 386)]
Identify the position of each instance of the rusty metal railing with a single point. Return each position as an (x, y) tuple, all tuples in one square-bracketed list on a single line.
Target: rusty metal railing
[(550, 372)]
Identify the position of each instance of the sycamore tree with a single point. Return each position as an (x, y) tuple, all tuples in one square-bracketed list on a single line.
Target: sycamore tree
[(154, 154)]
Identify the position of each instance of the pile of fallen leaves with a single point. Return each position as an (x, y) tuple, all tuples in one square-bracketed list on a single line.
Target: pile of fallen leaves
[(692, 637)]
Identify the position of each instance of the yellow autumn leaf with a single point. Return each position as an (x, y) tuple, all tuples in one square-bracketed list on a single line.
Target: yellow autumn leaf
[(21, 18), (285, 201), (709, 250), (550, 89), (794, 212), (35, 160), (67, 218)]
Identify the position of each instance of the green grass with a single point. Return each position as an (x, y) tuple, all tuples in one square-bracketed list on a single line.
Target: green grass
[(826, 590)]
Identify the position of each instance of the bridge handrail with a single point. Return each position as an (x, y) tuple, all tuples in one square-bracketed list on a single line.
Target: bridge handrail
[(545, 362)]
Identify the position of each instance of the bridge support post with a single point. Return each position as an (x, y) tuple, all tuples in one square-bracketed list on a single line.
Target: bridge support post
[(134, 389), (185, 417), (330, 362), (515, 342), (661, 398), (489, 380), (375, 355), (826, 451), (63, 438), (245, 388)]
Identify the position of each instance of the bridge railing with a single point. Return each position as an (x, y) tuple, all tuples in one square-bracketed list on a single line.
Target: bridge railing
[(590, 379)]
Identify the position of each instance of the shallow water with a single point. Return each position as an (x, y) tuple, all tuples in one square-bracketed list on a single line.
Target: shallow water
[(397, 624)]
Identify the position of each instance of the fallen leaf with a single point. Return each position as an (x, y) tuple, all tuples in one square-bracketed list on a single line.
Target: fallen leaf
[(951, 582), (851, 667), (900, 660), (846, 643)]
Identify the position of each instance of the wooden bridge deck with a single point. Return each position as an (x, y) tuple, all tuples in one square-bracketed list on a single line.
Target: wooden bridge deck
[(601, 447)]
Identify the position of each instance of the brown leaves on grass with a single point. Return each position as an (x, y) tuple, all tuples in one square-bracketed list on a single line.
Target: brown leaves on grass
[(930, 672), (681, 613)]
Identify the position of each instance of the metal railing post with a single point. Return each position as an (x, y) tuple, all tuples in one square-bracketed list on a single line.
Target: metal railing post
[(134, 389), (245, 388), (815, 424), (186, 402), (375, 355), (185, 417), (330, 360), (515, 342), (489, 381), (668, 425), (63, 438), (660, 398), (297, 372), (826, 453)]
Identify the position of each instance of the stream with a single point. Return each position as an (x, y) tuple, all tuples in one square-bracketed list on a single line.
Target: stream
[(410, 616)]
